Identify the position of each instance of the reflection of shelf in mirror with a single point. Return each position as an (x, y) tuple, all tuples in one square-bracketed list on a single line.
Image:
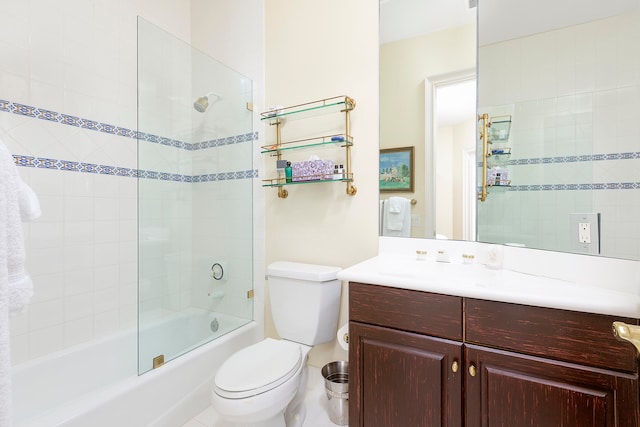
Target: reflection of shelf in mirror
[(325, 106), (342, 140), (503, 184), (499, 128), (501, 151), (275, 182)]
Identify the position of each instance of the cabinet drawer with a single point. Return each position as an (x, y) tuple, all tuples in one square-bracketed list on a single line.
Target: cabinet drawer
[(426, 313), (570, 336)]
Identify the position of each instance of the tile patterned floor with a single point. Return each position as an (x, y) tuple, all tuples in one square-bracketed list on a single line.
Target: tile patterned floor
[(315, 400)]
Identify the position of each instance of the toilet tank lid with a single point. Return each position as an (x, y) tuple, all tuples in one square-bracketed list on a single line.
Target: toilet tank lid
[(300, 271)]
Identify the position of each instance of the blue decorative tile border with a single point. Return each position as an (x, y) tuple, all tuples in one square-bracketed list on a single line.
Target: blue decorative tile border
[(67, 165), (565, 187), (634, 155), (573, 159), (52, 116)]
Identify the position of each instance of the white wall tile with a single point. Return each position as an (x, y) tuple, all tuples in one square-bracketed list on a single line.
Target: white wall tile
[(78, 306), (79, 58), (77, 331), (44, 314), (45, 341), (78, 281)]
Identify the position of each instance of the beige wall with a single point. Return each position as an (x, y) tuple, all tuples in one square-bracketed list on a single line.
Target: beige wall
[(451, 143), (315, 50), (404, 67)]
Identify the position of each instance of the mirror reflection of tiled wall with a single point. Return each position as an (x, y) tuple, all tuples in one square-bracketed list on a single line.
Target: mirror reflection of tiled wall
[(574, 95)]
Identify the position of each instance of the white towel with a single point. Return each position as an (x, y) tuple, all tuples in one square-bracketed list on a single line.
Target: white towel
[(28, 202), (21, 203), (5, 354), (17, 202), (397, 217), (395, 204)]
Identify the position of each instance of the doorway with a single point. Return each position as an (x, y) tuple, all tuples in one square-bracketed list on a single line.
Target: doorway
[(450, 133)]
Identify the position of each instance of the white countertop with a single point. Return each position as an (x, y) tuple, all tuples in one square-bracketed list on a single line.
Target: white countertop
[(477, 281)]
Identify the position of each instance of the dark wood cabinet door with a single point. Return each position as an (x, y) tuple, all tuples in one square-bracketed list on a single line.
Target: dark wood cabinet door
[(403, 379), (511, 390)]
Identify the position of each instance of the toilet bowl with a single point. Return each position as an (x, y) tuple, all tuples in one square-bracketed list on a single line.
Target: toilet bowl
[(263, 385), (258, 384)]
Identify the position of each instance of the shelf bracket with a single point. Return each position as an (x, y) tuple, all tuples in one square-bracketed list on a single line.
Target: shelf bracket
[(484, 135)]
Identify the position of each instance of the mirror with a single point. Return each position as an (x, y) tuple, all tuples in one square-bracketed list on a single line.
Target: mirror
[(428, 103), (568, 75)]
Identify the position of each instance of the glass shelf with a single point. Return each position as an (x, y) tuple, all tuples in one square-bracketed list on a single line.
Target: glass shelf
[(503, 184), (275, 182), (324, 106), (506, 151), (342, 140), (499, 128), (498, 160)]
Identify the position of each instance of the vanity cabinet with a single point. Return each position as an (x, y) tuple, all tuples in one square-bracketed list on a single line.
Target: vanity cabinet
[(405, 379), (424, 359), (405, 367)]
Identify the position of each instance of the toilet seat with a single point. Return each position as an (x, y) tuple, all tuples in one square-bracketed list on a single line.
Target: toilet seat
[(258, 368)]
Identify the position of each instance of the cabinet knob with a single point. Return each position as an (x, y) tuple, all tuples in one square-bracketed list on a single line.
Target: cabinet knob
[(455, 366), (472, 370)]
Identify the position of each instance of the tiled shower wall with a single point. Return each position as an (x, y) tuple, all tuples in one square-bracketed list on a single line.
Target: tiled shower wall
[(574, 97), (68, 114)]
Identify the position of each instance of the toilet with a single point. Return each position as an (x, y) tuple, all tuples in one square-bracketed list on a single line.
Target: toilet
[(263, 384)]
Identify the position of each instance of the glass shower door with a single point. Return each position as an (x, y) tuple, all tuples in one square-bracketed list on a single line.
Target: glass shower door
[(195, 172)]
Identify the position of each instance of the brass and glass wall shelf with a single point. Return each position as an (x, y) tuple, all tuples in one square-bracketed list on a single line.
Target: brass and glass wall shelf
[(313, 170), (494, 134)]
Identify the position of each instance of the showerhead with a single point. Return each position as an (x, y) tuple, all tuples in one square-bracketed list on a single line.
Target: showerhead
[(201, 104)]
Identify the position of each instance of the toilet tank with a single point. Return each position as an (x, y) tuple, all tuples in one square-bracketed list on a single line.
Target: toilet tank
[(305, 301)]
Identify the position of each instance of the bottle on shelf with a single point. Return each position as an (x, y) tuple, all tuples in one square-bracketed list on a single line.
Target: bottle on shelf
[(281, 165), (288, 172)]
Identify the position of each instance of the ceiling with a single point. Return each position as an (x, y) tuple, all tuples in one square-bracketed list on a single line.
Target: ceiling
[(401, 19), (499, 19)]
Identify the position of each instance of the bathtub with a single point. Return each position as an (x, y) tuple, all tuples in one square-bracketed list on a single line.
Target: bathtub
[(97, 384)]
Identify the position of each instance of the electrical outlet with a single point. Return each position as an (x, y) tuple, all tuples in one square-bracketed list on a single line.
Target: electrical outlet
[(584, 232)]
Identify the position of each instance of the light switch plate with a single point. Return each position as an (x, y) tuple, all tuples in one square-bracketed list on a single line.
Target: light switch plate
[(585, 233)]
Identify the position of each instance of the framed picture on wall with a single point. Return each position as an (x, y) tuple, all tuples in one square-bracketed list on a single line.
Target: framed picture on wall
[(396, 169)]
